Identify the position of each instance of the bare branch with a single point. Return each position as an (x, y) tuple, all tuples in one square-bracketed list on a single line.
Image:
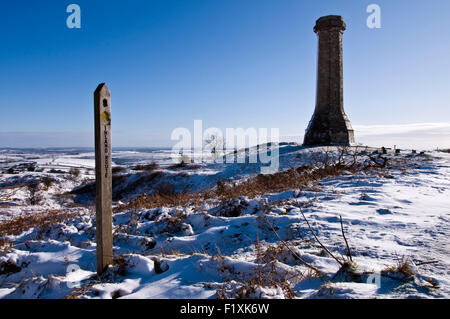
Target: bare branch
[(427, 262), (317, 239), (294, 253), (345, 239)]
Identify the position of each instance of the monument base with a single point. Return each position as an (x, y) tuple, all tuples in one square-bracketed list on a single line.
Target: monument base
[(329, 129)]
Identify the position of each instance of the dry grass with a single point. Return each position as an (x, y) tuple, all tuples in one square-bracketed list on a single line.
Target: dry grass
[(402, 267), (300, 178), (249, 288), (20, 224), (265, 275), (15, 186), (120, 265)]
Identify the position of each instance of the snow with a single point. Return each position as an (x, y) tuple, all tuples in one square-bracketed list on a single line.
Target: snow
[(389, 215)]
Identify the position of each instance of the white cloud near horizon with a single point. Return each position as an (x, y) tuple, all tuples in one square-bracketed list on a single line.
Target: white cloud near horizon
[(416, 135), (392, 129), (412, 136)]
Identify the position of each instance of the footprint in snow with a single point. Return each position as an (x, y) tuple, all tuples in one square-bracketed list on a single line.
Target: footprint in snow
[(383, 211), (404, 201)]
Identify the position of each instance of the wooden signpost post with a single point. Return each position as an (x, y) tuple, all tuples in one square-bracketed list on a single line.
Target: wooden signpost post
[(103, 177)]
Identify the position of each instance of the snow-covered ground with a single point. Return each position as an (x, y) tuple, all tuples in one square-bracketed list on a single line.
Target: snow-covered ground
[(399, 215)]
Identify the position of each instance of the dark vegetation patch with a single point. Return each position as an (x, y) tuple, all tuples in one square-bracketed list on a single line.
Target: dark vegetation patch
[(9, 267), (14, 186), (182, 164), (22, 167), (47, 181), (146, 167), (27, 181), (185, 163), (123, 185), (161, 266), (233, 208), (34, 197), (118, 169), (56, 171)]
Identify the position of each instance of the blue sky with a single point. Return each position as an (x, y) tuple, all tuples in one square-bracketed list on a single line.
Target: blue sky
[(230, 63)]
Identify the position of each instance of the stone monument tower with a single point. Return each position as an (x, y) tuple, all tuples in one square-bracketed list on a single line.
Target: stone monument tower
[(329, 124)]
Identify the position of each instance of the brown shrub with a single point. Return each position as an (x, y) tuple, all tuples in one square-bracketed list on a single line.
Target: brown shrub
[(5, 246), (47, 181), (75, 172)]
